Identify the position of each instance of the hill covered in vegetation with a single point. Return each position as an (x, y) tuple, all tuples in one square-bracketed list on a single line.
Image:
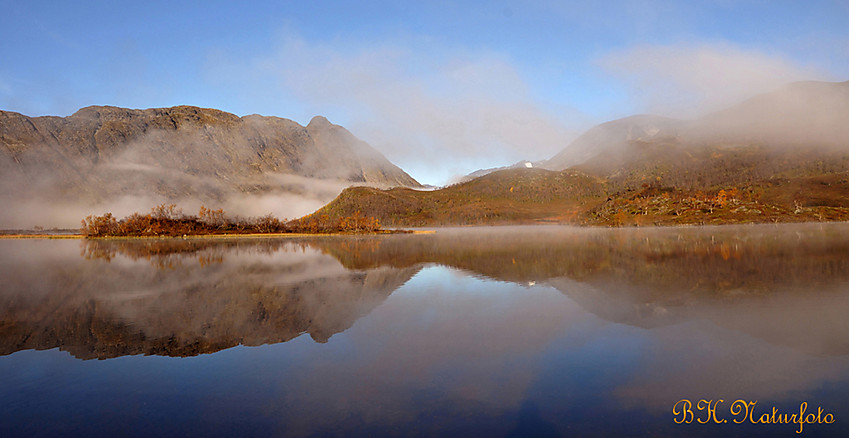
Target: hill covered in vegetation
[(779, 157), (542, 196), (507, 196)]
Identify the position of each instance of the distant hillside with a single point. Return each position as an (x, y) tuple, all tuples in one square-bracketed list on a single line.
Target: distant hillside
[(802, 114), (779, 157), (506, 196), (798, 130), (101, 153), (613, 141), (533, 196), (481, 172)]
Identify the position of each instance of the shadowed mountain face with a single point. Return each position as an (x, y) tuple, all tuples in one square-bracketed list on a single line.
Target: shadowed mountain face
[(110, 299), (100, 154), (99, 299)]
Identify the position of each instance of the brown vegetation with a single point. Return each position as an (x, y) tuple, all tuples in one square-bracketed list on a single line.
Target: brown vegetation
[(168, 220), (527, 196), (508, 196)]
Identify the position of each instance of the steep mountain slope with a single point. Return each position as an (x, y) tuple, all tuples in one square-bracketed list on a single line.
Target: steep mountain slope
[(181, 152)]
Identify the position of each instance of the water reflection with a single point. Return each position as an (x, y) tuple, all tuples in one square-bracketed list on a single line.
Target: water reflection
[(785, 285), (485, 331), (179, 298)]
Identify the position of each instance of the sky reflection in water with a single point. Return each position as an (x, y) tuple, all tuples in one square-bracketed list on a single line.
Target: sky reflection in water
[(495, 331)]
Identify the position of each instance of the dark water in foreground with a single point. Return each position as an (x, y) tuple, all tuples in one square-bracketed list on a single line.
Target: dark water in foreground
[(546, 331)]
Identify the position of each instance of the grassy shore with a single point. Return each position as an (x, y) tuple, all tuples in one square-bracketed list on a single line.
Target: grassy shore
[(41, 236), (209, 236)]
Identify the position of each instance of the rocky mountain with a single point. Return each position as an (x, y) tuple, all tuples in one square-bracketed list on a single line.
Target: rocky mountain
[(102, 152), (779, 157), (799, 129)]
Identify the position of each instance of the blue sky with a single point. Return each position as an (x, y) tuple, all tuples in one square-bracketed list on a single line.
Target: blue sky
[(441, 88)]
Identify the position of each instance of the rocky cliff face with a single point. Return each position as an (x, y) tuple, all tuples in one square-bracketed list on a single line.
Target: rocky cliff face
[(101, 152)]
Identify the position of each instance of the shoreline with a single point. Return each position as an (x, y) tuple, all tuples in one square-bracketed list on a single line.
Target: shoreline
[(207, 236), (420, 230)]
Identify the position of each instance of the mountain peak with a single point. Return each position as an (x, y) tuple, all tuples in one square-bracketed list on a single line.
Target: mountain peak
[(95, 110), (319, 121)]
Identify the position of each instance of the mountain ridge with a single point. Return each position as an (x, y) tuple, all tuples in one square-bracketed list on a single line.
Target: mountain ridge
[(807, 113), (107, 156), (96, 132), (771, 158)]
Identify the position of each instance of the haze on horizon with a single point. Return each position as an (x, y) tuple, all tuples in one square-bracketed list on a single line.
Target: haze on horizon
[(440, 88)]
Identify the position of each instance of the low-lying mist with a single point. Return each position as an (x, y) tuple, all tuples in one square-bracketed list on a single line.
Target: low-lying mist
[(805, 119), (284, 196)]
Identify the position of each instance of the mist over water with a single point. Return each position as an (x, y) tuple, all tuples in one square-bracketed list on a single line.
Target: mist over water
[(492, 330)]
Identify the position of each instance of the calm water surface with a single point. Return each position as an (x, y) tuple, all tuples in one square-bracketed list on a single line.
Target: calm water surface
[(526, 331)]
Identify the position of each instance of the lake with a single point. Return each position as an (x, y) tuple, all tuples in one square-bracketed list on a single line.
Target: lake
[(499, 331)]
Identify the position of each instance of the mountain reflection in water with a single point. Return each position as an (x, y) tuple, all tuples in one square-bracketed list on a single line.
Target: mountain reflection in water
[(515, 336), (181, 298)]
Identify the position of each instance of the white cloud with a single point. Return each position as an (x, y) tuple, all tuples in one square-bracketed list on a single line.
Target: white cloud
[(436, 116), (690, 80)]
